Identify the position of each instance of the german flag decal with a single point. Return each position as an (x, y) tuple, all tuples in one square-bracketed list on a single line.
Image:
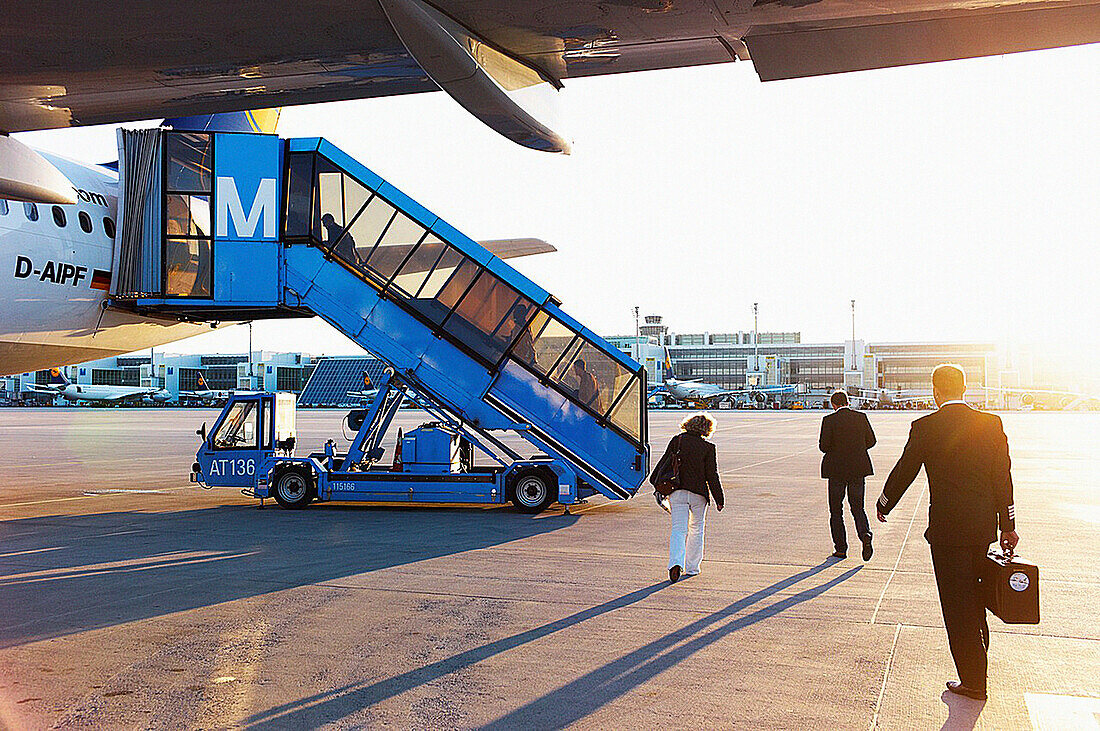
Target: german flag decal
[(101, 279)]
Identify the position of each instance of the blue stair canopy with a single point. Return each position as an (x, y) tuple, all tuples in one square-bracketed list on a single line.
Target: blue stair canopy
[(437, 292), (487, 344)]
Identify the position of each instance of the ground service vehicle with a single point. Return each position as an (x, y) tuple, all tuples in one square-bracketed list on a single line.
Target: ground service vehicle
[(232, 227), (252, 446)]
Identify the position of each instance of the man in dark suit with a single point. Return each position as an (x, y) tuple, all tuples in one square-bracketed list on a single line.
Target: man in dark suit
[(846, 435), (965, 456)]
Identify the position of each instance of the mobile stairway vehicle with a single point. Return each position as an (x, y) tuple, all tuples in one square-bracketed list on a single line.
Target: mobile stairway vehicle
[(227, 227), (252, 445)]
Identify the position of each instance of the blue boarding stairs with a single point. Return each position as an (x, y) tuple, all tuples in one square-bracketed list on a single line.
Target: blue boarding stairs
[(227, 227)]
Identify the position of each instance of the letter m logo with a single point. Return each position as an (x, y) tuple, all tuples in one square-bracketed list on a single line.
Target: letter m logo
[(264, 206)]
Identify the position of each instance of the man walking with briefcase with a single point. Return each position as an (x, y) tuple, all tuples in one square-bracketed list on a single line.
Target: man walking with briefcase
[(965, 457)]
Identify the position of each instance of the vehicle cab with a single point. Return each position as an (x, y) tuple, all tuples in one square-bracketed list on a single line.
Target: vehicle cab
[(248, 431)]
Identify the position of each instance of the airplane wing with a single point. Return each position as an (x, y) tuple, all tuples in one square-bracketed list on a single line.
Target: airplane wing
[(41, 389), (363, 394), (122, 397), (873, 397), (512, 248), (69, 64), (390, 258)]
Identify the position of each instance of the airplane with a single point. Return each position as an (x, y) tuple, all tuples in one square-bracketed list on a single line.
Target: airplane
[(705, 394), (504, 62), (884, 398), (1048, 399), (206, 395), (366, 393), (61, 386)]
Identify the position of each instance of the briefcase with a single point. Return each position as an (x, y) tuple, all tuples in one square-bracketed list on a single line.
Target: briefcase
[(1011, 588)]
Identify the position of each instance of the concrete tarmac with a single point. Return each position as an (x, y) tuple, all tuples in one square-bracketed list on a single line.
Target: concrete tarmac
[(130, 598)]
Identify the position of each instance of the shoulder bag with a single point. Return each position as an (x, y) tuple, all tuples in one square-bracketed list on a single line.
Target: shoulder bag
[(666, 476)]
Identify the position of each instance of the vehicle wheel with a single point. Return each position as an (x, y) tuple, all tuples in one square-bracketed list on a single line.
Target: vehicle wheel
[(293, 489), (533, 492)]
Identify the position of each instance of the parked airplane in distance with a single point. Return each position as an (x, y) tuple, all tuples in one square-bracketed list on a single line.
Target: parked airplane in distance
[(207, 396), (366, 393), (1047, 400), (61, 386), (884, 398), (707, 394)]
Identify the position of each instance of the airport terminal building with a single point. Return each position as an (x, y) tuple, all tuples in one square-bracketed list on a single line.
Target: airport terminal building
[(176, 373), (732, 360), (742, 359)]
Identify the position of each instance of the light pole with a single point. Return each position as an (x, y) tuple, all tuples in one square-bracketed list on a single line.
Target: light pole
[(637, 330), (755, 336), (853, 335)]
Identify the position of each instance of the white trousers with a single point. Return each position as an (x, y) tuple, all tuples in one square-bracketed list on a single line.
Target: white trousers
[(689, 518)]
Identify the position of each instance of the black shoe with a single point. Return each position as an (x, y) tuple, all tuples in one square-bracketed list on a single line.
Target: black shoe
[(960, 689), (674, 574), (868, 550), (840, 554)]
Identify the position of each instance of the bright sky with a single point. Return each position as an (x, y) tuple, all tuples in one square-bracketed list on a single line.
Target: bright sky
[(952, 201)]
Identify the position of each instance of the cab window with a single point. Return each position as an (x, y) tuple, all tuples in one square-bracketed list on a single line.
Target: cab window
[(239, 428), (265, 438)]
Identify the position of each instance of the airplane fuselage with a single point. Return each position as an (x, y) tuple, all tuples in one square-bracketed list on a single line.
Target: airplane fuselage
[(55, 267), (111, 394), (701, 392)]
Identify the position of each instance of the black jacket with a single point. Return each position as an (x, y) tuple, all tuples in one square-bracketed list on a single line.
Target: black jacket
[(698, 466), (846, 435), (965, 456)]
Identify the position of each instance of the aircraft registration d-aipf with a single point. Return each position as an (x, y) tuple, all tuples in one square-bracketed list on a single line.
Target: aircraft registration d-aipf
[(505, 62)]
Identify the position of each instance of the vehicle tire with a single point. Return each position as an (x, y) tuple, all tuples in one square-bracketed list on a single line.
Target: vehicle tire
[(533, 492), (293, 489)]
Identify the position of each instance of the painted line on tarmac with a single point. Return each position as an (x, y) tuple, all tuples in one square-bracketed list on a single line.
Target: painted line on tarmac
[(81, 497), (33, 550), (118, 490), (609, 503), (77, 462), (766, 461), (901, 550), (757, 426), (885, 677)]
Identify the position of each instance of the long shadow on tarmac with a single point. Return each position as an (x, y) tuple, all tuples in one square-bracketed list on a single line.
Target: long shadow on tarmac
[(65, 574), (575, 700)]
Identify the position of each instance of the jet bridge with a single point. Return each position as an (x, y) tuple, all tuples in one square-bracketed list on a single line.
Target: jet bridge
[(244, 226)]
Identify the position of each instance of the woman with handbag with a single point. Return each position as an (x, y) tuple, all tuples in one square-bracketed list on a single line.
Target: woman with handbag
[(688, 475)]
